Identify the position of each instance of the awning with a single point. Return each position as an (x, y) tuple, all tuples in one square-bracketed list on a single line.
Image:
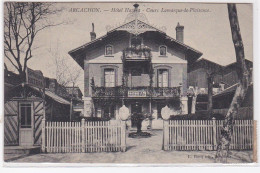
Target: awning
[(57, 98), (53, 96), (229, 90)]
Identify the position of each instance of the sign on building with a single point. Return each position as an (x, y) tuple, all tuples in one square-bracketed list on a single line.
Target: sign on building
[(136, 93), (34, 78)]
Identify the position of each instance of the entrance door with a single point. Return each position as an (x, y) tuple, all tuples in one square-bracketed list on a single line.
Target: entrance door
[(136, 109), (26, 124)]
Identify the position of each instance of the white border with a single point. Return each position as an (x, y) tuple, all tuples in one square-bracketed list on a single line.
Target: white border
[(189, 167)]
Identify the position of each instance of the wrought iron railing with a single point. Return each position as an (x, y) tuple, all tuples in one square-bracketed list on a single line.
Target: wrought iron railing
[(137, 53), (166, 92), (136, 91), (108, 91)]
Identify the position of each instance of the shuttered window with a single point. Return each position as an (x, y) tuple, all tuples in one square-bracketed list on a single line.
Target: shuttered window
[(163, 78), (109, 77)]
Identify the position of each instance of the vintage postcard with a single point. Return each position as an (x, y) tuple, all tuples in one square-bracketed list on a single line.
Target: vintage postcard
[(128, 83)]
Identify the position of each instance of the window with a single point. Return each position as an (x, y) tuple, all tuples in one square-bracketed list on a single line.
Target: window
[(26, 115), (109, 50), (109, 78), (163, 78), (162, 50)]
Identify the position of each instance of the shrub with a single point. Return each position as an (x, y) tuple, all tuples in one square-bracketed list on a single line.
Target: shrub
[(97, 118), (202, 115)]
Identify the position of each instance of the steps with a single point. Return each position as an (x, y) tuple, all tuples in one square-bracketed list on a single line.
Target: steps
[(25, 150)]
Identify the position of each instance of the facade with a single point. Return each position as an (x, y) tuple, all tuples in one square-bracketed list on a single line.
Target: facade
[(224, 80), (137, 65), (224, 76), (199, 72)]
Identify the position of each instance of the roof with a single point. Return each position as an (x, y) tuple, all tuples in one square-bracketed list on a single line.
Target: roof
[(11, 78), (230, 89), (131, 25), (235, 63), (227, 90), (57, 98), (206, 64), (53, 96), (209, 61)]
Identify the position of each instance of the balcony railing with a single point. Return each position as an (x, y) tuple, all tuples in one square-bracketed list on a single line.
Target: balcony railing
[(155, 92), (137, 53)]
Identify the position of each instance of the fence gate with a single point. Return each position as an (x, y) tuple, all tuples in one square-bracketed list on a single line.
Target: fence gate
[(204, 134), (89, 136)]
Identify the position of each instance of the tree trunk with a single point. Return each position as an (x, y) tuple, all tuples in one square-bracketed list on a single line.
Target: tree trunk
[(22, 75), (210, 93), (226, 131)]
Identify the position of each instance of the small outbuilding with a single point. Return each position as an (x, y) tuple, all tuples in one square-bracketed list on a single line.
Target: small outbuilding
[(25, 105)]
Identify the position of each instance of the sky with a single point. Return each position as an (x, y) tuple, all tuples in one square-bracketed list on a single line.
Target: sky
[(206, 28)]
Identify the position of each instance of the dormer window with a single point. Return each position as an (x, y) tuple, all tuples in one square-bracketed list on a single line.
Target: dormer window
[(109, 50), (163, 50)]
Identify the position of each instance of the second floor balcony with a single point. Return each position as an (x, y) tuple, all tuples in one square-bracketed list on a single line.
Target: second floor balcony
[(138, 53), (136, 92)]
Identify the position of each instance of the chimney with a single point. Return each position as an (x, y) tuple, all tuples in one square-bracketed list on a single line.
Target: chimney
[(92, 34), (179, 32)]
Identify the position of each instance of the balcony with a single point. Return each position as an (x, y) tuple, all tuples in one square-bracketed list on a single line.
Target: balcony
[(136, 92), (141, 53), (108, 92)]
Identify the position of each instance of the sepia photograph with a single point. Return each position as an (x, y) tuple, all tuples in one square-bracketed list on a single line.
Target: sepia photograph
[(156, 83)]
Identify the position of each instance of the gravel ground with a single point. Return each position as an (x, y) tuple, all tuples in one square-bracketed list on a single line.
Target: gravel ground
[(143, 150)]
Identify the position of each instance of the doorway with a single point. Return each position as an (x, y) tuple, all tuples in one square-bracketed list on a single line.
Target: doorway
[(26, 124), (136, 110)]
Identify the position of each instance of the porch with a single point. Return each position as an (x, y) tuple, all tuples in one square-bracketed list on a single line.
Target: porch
[(120, 91)]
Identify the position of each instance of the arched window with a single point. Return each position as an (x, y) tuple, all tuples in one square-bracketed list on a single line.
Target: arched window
[(163, 50), (109, 50)]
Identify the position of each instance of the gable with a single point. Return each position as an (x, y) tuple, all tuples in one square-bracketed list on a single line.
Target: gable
[(137, 27)]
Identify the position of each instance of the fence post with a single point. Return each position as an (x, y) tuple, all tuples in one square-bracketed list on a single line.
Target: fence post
[(43, 134), (83, 142), (214, 133), (123, 136), (165, 134)]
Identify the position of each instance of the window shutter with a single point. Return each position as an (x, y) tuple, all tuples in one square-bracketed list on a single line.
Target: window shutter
[(102, 77), (116, 80), (169, 77), (112, 77), (159, 78), (164, 78)]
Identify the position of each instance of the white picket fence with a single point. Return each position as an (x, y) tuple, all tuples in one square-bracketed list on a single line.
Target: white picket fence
[(204, 134), (89, 136)]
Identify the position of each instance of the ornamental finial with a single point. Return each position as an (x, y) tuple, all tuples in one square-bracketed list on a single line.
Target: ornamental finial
[(93, 27), (136, 6)]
